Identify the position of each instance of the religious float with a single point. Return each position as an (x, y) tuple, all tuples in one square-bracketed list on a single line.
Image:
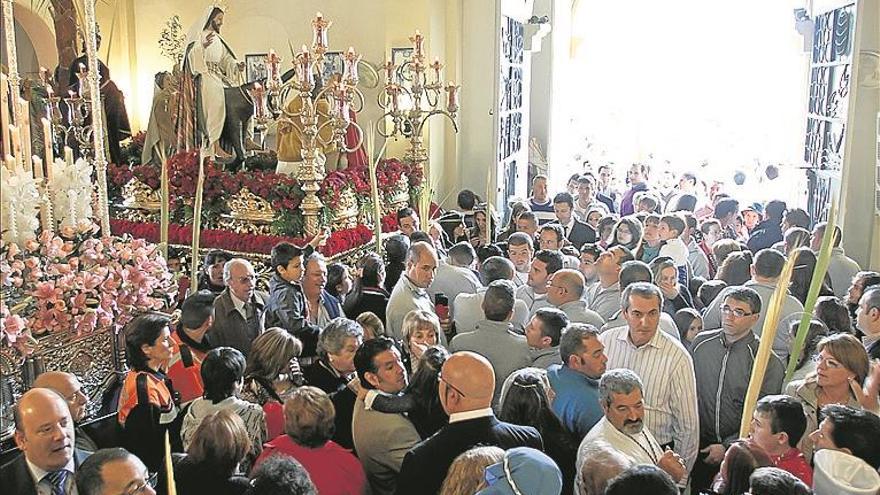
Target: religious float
[(87, 245)]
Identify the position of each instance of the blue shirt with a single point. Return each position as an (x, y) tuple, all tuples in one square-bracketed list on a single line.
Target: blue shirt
[(577, 399)]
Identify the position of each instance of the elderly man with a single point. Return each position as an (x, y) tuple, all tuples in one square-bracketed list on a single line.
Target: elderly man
[(381, 439), (723, 361), (469, 307), (68, 386), (604, 297), (411, 291), (494, 337), (766, 269), (663, 364), (565, 291), (467, 382), (841, 268), (543, 333), (44, 432), (534, 294), (601, 464), (239, 311), (113, 471), (322, 306), (454, 275), (576, 380), (623, 425)]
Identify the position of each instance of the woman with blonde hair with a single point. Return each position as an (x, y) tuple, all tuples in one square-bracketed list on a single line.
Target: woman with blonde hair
[(841, 369), (272, 372), (371, 324), (210, 465), (466, 474), (421, 329)]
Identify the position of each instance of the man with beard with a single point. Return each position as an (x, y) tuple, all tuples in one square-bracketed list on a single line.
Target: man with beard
[(623, 426), (209, 67)]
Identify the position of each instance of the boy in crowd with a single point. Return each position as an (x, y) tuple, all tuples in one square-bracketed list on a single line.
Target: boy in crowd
[(287, 304), (778, 424)]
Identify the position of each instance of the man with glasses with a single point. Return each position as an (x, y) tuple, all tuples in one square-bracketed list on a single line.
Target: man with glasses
[(239, 311), (44, 432), (466, 386), (565, 291), (114, 472), (723, 361)]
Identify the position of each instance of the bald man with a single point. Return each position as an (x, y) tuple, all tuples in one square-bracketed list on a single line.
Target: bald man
[(240, 310), (411, 290), (44, 433), (467, 383), (565, 291), (68, 386)]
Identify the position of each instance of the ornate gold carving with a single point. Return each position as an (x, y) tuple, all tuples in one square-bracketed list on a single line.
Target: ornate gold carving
[(249, 207), (346, 213), (136, 194)]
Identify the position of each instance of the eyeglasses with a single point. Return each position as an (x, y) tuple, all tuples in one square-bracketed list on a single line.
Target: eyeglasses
[(830, 363), (247, 278), (142, 487), (738, 313), (453, 387)]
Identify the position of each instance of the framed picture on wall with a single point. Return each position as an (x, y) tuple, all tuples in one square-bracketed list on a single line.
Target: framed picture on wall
[(332, 65), (256, 66), (400, 56)]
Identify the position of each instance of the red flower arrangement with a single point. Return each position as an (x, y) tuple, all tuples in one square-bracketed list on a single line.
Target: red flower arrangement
[(389, 223), (338, 242)]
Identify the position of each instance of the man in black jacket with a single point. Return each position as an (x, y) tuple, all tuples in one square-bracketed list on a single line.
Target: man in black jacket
[(768, 232), (578, 233), (467, 382), (287, 304), (44, 432)]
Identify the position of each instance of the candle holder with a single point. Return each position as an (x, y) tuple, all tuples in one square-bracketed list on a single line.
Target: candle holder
[(309, 114), (413, 93)]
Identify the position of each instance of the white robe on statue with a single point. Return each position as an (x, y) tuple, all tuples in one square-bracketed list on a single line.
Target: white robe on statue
[(217, 65)]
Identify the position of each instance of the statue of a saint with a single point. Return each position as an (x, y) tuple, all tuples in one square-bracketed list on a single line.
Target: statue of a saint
[(209, 66)]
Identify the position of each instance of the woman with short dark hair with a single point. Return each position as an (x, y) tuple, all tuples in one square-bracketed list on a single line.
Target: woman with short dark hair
[(223, 373), (368, 293), (211, 276), (148, 404), (211, 464)]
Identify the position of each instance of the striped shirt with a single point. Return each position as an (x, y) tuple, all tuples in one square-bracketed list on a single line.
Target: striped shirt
[(667, 372)]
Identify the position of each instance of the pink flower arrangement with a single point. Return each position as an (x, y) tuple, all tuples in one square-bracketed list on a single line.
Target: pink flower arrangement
[(79, 283)]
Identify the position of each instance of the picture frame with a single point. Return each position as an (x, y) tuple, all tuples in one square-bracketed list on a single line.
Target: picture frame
[(332, 65), (256, 66), (400, 56)]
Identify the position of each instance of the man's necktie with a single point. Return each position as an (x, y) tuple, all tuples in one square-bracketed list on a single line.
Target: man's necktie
[(58, 480)]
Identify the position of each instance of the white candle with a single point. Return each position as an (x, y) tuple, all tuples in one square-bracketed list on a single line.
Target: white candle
[(49, 154), (68, 155), (10, 163), (4, 114), (25, 129), (38, 167)]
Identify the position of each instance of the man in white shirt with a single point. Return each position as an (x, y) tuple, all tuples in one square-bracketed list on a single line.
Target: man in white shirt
[(534, 294), (565, 291), (664, 365), (520, 249), (623, 426), (454, 275)]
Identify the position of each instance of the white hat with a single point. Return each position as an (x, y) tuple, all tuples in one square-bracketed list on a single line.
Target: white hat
[(838, 473)]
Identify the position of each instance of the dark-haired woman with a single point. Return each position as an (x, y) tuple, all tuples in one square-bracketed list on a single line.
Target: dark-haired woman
[(148, 404), (525, 400), (368, 293), (211, 276)]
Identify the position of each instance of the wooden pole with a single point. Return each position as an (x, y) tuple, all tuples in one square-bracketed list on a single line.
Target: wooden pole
[(197, 224), (97, 111), (165, 208), (4, 116)]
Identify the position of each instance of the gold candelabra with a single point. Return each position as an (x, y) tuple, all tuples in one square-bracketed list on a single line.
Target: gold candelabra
[(298, 105), (78, 105), (409, 99)]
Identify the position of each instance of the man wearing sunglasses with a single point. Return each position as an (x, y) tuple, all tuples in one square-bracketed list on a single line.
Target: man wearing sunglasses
[(465, 385), (723, 361)]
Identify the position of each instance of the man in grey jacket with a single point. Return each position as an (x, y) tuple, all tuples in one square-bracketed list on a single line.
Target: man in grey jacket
[(723, 361), (494, 337), (841, 268), (766, 269)]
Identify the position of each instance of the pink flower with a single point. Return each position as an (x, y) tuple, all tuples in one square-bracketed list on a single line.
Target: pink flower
[(14, 326)]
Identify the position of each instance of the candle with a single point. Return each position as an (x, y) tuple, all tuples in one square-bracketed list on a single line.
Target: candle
[(10, 163), (418, 40), (389, 71), (15, 138), (350, 64), (25, 129), (4, 114), (319, 34), (38, 167), (68, 155), (304, 67), (451, 97), (48, 138), (437, 66)]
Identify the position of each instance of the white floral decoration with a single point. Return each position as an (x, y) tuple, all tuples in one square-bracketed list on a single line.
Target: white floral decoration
[(19, 205), (72, 192)]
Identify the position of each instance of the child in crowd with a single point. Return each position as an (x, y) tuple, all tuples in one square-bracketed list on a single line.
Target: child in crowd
[(778, 424), (287, 304), (669, 231)]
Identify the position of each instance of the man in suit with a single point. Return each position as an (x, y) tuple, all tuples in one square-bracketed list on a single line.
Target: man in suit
[(45, 434), (381, 439), (239, 311), (113, 470), (467, 382), (868, 321), (578, 233), (67, 385), (494, 337)]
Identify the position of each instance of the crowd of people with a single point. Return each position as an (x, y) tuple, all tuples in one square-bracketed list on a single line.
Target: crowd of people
[(600, 342)]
